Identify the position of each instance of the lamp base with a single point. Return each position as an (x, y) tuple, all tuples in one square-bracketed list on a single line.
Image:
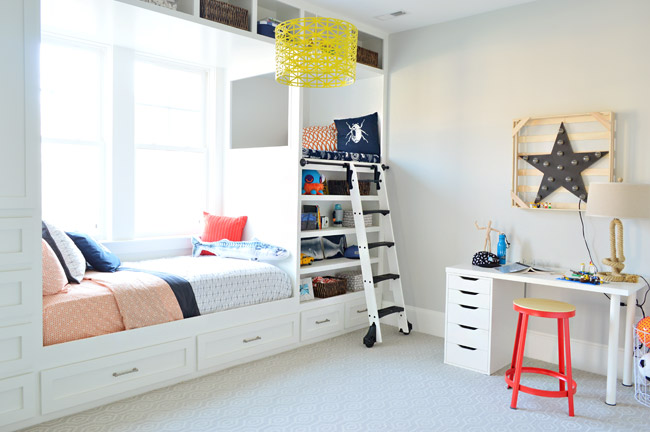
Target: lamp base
[(620, 277)]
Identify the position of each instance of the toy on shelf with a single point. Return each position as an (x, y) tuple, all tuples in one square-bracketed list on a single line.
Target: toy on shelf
[(313, 182), (306, 259)]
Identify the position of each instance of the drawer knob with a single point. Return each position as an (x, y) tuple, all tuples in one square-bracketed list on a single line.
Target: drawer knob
[(473, 279), (326, 320), (256, 338), (468, 327), (469, 307), (363, 310), (468, 292), (467, 347), (118, 374)]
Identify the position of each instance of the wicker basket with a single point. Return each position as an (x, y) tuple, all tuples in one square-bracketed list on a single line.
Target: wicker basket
[(225, 13), (354, 279), (367, 57), (333, 286), (348, 219), (340, 187)]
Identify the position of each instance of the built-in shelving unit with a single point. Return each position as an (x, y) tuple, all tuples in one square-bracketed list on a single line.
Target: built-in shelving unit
[(333, 264), (316, 198), (334, 231)]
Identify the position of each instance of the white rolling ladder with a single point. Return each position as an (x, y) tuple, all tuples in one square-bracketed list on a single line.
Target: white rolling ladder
[(387, 240)]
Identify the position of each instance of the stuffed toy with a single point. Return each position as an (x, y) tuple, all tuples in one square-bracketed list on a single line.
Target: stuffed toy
[(312, 182)]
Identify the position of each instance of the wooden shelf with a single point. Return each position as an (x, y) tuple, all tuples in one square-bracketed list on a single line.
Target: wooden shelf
[(334, 231), (310, 198), (333, 264)]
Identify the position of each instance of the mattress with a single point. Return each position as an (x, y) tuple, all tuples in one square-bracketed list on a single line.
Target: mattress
[(339, 155), (224, 283)]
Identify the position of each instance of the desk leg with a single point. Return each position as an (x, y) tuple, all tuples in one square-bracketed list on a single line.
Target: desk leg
[(628, 353), (612, 349)]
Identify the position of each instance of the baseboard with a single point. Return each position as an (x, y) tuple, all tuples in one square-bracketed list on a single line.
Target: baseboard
[(585, 355)]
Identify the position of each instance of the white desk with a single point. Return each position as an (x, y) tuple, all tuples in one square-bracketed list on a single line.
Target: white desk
[(465, 274)]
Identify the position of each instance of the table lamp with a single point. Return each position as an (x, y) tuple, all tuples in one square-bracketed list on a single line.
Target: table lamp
[(618, 201)]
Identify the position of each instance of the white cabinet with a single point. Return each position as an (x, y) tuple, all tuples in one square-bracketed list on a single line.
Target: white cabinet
[(17, 399), (224, 346), (321, 321), (478, 332), (356, 313)]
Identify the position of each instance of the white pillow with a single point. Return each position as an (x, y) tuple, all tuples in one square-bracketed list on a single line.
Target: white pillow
[(69, 255)]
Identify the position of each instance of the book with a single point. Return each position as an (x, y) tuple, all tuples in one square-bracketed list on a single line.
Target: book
[(521, 268)]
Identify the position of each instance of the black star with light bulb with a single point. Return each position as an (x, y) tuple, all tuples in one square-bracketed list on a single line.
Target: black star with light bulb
[(562, 167)]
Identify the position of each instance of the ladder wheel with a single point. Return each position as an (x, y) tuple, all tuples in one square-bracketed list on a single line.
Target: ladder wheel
[(410, 328), (371, 337)]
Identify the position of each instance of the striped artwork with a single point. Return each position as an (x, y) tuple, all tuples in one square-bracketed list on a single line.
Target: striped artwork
[(319, 138)]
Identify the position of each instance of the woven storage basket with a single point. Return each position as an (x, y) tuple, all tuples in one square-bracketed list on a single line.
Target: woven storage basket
[(340, 187), (348, 219), (354, 279), (334, 287), (225, 13), (367, 57)]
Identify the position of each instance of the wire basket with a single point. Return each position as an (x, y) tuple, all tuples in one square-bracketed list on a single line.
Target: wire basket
[(641, 382)]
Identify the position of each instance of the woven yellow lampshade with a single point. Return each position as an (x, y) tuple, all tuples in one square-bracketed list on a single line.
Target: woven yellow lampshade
[(316, 52)]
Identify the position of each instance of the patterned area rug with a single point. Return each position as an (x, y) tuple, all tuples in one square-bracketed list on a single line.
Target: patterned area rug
[(339, 385)]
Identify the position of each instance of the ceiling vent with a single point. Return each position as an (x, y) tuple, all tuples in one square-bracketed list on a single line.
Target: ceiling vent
[(391, 15)]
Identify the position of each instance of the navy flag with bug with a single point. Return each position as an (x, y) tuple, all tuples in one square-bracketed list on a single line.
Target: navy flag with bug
[(562, 167)]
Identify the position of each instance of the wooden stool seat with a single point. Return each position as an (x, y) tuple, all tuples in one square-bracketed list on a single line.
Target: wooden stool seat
[(542, 308)]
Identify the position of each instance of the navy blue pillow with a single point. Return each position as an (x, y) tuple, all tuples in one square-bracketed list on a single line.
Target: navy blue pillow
[(99, 258), (358, 135)]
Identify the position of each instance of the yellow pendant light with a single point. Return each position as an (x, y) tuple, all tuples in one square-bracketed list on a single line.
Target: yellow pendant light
[(316, 52)]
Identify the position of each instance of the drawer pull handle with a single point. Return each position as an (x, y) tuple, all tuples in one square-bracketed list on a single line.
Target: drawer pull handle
[(467, 347), (252, 339), (468, 292), (469, 307), (473, 279), (326, 320), (363, 310), (118, 374), (468, 327)]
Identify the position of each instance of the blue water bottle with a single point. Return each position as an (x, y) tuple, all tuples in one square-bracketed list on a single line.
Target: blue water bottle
[(501, 249)]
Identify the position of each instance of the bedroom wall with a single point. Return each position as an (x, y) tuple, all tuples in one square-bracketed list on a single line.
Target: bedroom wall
[(454, 90)]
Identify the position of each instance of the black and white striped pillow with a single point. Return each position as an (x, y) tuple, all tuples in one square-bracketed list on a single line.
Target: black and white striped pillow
[(71, 258)]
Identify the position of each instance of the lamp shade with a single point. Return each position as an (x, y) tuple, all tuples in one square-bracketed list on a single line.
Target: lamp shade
[(619, 200), (316, 52)]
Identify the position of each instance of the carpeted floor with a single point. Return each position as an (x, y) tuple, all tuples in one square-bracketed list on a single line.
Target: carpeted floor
[(339, 385)]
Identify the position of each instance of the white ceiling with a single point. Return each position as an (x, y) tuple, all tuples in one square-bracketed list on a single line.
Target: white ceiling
[(419, 13)]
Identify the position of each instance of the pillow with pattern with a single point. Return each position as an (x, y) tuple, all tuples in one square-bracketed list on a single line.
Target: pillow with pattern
[(69, 255), (319, 137), (54, 279)]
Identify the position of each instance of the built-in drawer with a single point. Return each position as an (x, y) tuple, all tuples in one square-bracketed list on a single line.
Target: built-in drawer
[(467, 357), (466, 335), (469, 283), (16, 344), (469, 298), (19, 293), (95, 379), (17, 399), (356, 313), (472, 316), (321, 321), (230, 344)]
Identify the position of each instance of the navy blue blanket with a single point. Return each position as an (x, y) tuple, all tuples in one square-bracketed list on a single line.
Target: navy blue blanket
[(182, 290)]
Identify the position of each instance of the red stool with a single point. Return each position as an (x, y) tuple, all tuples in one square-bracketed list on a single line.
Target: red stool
[(545, 309)]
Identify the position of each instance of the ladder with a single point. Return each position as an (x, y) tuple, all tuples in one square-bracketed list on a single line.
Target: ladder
[(386, 240)]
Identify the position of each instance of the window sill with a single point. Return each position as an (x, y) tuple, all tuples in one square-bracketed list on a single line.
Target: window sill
[(150, 248)]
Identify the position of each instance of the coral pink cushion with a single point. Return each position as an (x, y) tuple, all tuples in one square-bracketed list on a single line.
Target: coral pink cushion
[(222, 227), (54, 278)]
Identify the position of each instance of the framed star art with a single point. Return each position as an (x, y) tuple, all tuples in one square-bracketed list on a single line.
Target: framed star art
[(555, 159)]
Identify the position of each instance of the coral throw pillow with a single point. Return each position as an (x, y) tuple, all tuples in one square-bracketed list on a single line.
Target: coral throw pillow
[(319, 137), (54, 278), (222, 227)]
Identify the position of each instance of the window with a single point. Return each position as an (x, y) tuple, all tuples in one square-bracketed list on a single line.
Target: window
[(73, 149), (171, 157)]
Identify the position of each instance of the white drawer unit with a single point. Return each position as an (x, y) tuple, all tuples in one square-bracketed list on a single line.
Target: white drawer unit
[(17, 399), (321, 321), (95, 379), (356, 313), (234, 343), (16, 342), (18, 293), (480, 322)]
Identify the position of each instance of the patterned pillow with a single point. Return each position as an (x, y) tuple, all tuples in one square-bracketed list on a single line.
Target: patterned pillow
[(252, 250), (319, 137), (69, 255), (54, 279)]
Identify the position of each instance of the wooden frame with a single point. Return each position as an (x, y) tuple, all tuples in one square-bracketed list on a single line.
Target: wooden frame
[(593, 131)]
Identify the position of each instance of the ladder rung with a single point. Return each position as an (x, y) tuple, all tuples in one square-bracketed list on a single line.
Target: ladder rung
[(387, 276), (389, 310), (380, 244), (383, 212)]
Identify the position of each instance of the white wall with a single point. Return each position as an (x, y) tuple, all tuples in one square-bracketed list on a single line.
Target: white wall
[(454, 90)]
